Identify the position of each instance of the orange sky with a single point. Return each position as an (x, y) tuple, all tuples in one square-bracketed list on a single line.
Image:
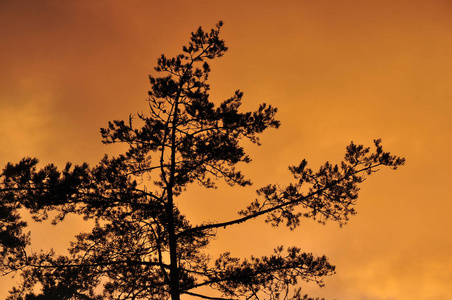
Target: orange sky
[(337, 70)]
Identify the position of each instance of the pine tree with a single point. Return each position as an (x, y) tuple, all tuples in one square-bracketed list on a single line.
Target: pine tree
[(142, 246)]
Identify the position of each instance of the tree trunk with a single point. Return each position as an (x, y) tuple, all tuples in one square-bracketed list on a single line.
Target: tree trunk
[(174, 268)]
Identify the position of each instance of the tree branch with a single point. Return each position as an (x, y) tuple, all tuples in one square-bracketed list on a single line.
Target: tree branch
[(146, 263), (205, 297), (265, 211)]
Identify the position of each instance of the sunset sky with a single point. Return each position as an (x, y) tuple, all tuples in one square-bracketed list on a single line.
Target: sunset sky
[(338, 71)]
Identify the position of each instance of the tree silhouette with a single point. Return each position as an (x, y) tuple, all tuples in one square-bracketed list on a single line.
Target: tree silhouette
[(142, 246)]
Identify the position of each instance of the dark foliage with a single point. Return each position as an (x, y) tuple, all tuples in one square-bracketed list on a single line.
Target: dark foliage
[(142, 246)]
